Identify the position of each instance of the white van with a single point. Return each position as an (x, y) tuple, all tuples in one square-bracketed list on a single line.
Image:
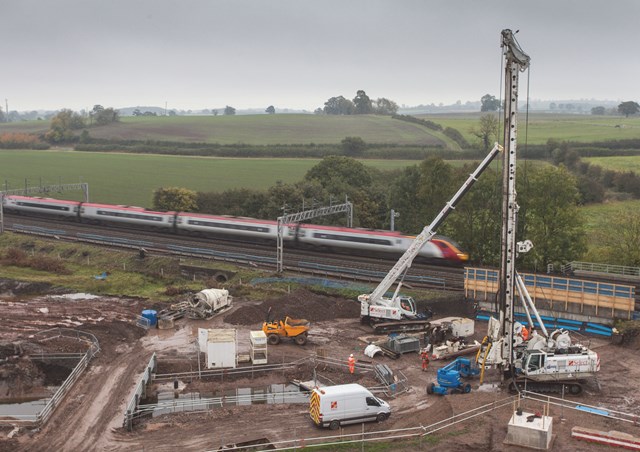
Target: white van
[(333, 406)]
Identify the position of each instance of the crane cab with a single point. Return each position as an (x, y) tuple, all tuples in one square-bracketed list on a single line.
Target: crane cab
[(407, 307)]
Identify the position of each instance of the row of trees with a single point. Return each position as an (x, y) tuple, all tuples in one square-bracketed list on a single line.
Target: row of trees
[(66, 122), (360, 105), (548, 195), (490, 103)]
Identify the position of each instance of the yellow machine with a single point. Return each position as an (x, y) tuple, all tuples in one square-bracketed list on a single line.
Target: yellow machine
[(296, 329)]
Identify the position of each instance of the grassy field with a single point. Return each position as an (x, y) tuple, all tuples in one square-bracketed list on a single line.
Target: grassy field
[(598, 219), (132, 178), (258, 129), (541, 127), (322, 129), (598, 216), (616, 163)]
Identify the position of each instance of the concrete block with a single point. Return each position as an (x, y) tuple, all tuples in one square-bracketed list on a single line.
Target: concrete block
[(530, 430)]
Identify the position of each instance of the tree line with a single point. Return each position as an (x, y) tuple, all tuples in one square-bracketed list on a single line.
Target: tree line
[(549, 197), (359, 105), (65, 124)]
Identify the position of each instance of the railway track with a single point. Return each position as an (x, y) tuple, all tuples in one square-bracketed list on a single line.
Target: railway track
[(320, 264)]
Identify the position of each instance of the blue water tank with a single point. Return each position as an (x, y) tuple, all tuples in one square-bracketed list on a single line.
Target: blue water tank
[(151, 315)]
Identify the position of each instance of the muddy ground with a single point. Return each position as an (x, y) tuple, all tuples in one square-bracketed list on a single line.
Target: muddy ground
[(91, 415)]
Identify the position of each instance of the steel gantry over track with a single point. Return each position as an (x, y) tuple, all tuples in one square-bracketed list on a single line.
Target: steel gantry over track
[(295, 218), (41, 190)]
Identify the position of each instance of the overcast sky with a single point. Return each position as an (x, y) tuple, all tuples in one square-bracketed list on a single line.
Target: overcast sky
[(196, 54)]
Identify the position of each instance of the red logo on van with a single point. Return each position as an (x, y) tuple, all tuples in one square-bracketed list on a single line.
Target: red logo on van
[(334, 405)]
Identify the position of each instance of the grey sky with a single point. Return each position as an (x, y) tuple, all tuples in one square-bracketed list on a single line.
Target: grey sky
[(195, 54)]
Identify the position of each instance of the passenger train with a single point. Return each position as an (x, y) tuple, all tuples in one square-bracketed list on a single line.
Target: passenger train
[(327, 238)]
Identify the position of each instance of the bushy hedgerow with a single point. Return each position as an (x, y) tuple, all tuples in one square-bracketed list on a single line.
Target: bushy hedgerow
[(19, 258), (424, 122)]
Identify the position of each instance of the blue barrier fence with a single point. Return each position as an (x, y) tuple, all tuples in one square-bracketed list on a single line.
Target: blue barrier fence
[(557, 322)]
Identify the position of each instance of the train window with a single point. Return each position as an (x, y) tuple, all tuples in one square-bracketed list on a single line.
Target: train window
[(346, 238), (43, 206), (129, 215), (241, 227)]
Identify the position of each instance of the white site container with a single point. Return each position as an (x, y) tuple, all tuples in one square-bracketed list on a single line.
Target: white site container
[(462, 327), (203, 336), (258, 347), (221, 348)]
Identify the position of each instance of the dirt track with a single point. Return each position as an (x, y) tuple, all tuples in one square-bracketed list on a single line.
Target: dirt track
[(91, 416)]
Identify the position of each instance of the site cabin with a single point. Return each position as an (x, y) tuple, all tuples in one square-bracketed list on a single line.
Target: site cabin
[(333, 406)]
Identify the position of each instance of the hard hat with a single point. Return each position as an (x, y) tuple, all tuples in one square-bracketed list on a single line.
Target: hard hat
[(351, 355)]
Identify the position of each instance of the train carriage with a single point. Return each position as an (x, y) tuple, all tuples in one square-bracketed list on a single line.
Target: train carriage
[(248, 228), (127, 215), (46, 206), (387, 244)]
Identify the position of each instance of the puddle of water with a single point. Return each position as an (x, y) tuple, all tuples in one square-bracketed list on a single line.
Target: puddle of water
[(173, 402), (12, 408)]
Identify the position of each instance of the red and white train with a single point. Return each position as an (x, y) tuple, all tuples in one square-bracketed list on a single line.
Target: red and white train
[(328, 238)]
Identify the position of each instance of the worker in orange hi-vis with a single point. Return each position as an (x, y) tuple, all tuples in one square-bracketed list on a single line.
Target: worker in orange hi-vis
[(352, 364), (525, 333), (425, 359)]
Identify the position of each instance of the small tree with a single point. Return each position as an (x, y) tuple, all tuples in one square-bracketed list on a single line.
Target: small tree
[(598, 111), (353, 146), (270, 110), (175, 199), (362, 103), (62, 126), (228, 110), (489, 103), (103, 116), (385, 106), (339, 106), (628, 108), (487, 130)]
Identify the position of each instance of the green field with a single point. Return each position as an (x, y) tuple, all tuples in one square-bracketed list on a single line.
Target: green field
[(540, 127), (132, 178), (616, 163), (598, 216), (330, 129), (256, 129)]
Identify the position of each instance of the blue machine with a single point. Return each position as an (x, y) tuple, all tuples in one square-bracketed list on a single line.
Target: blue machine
[(450, 378)]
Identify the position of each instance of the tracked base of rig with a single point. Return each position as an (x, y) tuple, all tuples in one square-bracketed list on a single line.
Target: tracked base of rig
[(547, 387), (400, 326)]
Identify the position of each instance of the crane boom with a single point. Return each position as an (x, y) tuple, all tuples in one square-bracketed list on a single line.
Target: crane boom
[(404, 263)]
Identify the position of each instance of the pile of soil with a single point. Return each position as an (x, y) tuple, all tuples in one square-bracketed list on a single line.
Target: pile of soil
[(301, 304), (19, 378), (11, 287)]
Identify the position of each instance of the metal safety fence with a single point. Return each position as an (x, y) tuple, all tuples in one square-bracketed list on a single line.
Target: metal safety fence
[(84, 358), (139, 393)]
